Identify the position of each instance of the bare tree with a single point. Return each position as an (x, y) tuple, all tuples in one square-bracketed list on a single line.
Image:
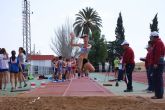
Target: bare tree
[(60, 44)]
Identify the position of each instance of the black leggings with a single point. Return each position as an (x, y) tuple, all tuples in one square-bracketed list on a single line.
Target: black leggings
[(129, 70)]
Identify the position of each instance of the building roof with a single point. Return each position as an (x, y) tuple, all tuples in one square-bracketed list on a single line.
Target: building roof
[(41, 57)]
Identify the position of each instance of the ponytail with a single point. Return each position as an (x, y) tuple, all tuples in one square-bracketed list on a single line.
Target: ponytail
[(13, 57)]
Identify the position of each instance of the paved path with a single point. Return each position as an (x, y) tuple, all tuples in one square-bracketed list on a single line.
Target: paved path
[(140, 77), (138, 85)]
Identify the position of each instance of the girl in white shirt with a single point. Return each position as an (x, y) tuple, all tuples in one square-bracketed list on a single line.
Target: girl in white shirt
[(22, 58), (1, 73), (5, 67)]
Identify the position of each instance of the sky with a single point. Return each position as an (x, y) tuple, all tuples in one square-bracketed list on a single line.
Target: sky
[(48, 15)]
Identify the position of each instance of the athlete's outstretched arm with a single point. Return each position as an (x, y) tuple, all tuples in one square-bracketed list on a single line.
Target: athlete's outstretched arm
[(72, 35)]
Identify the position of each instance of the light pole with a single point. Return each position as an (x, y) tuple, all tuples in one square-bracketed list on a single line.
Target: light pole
[(26, 27)]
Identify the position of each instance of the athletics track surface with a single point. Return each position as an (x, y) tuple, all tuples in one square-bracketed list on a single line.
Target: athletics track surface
[(90, 87)]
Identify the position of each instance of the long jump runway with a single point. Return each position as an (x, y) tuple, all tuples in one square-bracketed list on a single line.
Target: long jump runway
[(76, 87)]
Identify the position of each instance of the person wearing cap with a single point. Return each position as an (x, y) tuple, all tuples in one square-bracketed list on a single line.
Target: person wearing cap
[(128, 64), (158, 53), (85, 48), (149, 67)]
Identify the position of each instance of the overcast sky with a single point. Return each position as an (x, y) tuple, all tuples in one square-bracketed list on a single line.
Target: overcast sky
[(48, 15)]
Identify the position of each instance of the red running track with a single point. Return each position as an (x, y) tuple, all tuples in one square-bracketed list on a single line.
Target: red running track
[(142, 77), (76, 87)]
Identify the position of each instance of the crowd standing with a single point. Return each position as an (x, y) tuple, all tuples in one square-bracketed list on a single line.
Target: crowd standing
[(67, 68), (12, 68), (154, 63)]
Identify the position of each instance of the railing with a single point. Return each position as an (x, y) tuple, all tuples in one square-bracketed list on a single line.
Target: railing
[(39, 70)]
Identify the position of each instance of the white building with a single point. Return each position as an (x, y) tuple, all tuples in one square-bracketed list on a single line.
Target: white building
[(41, 64)]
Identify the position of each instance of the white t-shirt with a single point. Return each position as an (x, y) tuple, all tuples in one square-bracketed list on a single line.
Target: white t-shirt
[(120, 65), (4, 62), (1, 58), (22, 58)]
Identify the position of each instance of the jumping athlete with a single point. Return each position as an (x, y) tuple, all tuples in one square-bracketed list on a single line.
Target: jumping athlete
[(85, 48)]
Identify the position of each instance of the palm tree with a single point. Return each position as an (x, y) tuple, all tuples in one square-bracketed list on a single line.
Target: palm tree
[(87, 21)]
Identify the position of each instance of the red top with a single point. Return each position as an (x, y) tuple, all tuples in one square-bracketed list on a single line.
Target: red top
[(149, 57), (128, 56), (158, 50)]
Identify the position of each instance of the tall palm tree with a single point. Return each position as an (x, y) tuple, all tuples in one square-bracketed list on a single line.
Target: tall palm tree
[(87, 21)]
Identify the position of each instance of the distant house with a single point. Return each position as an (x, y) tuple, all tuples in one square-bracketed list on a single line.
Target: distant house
[(41, 60), (41, 64), (140, 67)]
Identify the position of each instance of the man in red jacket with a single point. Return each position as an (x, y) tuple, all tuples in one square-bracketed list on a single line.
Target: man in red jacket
[(158, 64), (149, 67), (128, 64)]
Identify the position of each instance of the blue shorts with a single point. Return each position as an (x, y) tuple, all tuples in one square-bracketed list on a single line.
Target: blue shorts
[(4, 70), (69, 69), (59, 70), (14, 72), (23, 68)]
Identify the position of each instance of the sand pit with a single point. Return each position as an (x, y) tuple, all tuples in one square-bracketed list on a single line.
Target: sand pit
[(79, 103)]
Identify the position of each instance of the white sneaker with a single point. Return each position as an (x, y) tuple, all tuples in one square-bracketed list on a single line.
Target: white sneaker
[(4, 89), (149, 91), (145, 90)]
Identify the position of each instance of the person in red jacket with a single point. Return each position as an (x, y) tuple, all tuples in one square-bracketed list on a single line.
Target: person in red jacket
[(158, 64), (128, 64), (149, 67)]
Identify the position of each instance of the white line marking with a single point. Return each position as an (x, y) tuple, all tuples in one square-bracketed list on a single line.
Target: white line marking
[(66, 90), (97, 85)]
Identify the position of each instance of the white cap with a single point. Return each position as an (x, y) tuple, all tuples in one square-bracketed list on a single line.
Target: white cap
[(154, 33), (125, 43)]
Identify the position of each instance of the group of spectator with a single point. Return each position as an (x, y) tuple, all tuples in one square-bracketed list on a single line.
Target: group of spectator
[(154, 63), (11, 69)]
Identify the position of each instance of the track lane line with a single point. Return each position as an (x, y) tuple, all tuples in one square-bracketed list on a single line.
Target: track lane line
[(99, 86), (66, 90)]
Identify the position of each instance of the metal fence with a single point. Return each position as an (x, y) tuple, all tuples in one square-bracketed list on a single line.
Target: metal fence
[(40, 70)]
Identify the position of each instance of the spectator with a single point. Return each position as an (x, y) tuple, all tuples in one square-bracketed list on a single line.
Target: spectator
[(158, 61), (14, 70), (5, 67), (116, 65), (128, 64), (149, 67), (120, 72), (22, 58)]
